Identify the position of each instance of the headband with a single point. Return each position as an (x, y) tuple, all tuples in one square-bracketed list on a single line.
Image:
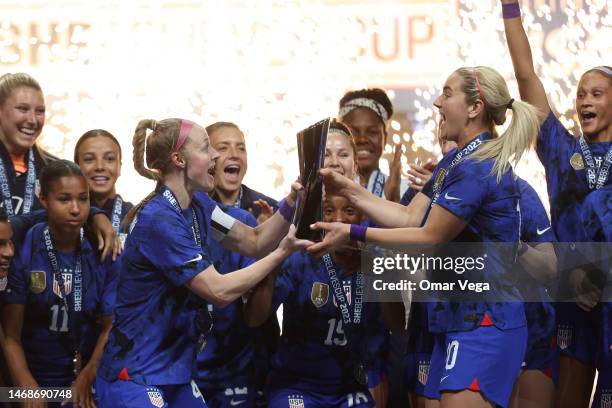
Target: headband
[(186, 126), (340, 131), (364, 103), (603, 69), (475, 75)]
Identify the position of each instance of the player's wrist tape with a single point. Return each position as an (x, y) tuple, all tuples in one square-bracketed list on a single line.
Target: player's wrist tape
[(286, 210), (358, 233), (511, 10), (221, 224)]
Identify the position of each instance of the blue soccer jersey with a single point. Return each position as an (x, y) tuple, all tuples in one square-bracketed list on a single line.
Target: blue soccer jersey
[(154, 336), (228, 354), (50, 334), (566, 175), (541, 324), (471, 192), (314, 354)]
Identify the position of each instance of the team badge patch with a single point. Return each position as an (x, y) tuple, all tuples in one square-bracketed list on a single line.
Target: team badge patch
[(576, 161), (606, 399), (564, 336), (296, 401), (67, 285), (155, 397), (319, 294), (3, 283), (423, 372), (38, 281)]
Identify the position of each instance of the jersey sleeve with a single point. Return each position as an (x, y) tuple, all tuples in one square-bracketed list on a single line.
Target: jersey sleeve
[(554, 141), (18, 282), (463, 191), (169, 245)]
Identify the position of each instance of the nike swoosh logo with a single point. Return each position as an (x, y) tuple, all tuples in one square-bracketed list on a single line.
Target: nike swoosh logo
[(444, 378), (540, 232), (196, 259), (451, 197), (234, 403)]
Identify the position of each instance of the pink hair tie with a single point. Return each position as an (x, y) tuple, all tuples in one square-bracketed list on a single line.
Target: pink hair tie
[(186, 126), (478, 86)]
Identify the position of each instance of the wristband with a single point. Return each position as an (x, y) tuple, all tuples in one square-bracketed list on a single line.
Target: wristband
[(511, 10), (286, 210), (358, 232), (523, 247)]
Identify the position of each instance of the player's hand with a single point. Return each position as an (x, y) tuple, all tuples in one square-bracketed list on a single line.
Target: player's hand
[(337, 184), (265, 211), (81, 390), (108, 242), (296, 187), (418, 175), (392, 185), (587, 294), (291, 243), (337, 235)]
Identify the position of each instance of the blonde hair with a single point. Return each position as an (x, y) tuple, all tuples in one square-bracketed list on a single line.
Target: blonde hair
[(9, 82), (486, 83), (158, 146)]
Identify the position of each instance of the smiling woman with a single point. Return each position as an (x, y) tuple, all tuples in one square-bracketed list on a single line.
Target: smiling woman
[(22, 117), (98, 154)]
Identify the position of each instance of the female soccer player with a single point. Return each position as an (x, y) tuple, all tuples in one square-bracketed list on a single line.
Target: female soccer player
[(324, 353), (58, 292), (574, 166), (22, 117), (228, 141), (474, 198), (159, 325), (367, 112), (98, 154)]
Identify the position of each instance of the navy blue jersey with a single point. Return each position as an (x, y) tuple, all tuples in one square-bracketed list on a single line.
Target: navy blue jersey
[(230, 343), (49, 334), (17, 182), (314, 353), (566, 176), (597, 215), (471, 192), (154, 335)]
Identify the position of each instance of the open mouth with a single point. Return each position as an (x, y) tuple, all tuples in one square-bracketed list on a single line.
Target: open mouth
[(232, 173), (100, 180), (587, 117), (211, 171), (364, 153), (27, 131)]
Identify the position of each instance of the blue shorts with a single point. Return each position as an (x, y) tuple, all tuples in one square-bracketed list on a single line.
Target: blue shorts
[(577, 332), (293, 398), (541, 351), (603, 391), (417, 371), (436, 366), (487, 360), (128, 394), (236, 393)]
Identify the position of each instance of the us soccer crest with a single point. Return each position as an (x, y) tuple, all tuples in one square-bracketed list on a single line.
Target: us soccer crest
[(564, 336), (606, 399), (296, 401), (576, 161), (38, 281), (347, 293), (155, 397), (319, 294), (67, 285), (423, 372)]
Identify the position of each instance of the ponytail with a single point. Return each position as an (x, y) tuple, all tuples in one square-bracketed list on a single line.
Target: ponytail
[(489, 86)]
